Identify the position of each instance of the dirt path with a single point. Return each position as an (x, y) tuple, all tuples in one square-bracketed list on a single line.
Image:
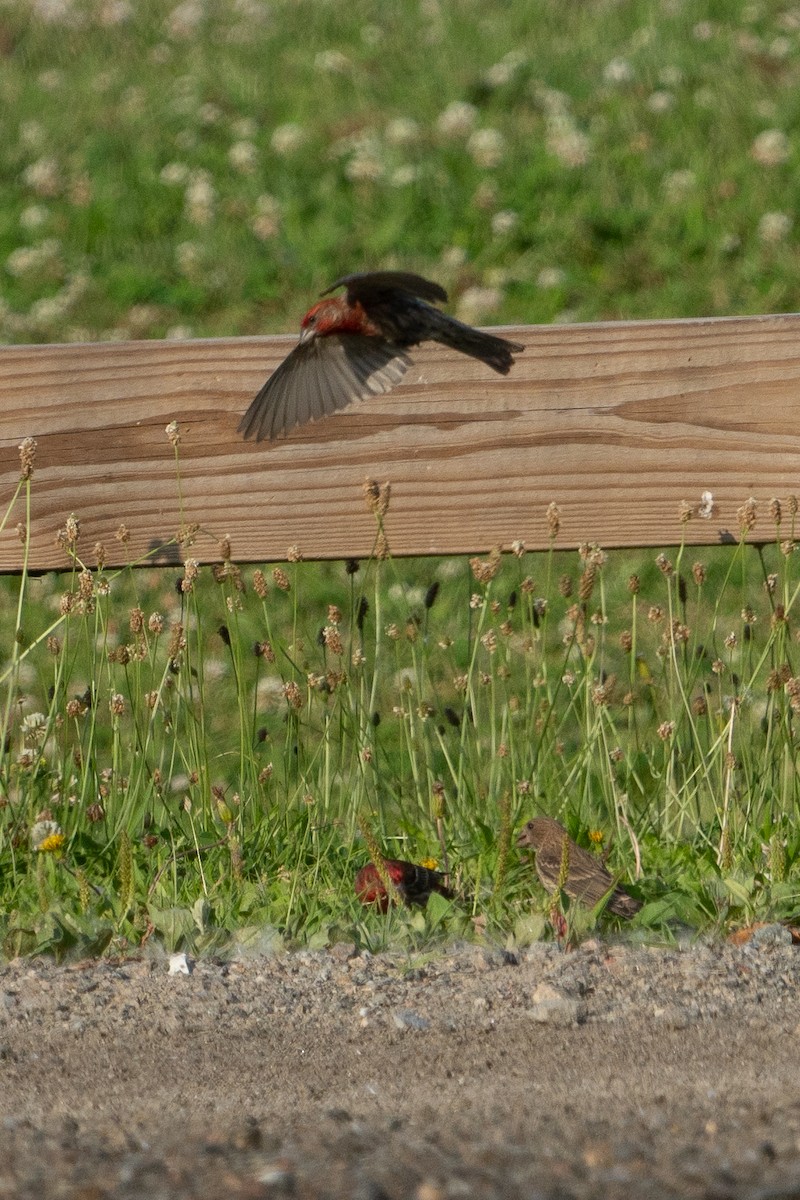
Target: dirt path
[(607, 1072)]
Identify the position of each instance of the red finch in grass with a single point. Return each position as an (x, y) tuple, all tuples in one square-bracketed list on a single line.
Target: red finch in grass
[(354, 346), (586, 880), (414, 884)]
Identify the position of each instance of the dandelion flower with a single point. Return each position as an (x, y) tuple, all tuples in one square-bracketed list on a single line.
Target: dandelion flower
[(43, 835)]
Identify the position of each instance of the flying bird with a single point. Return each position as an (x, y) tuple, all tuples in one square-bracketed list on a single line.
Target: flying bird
[(587, 880), (354, 345), (414, 884)]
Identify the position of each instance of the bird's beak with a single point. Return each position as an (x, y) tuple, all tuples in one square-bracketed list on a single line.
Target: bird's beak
[(307, 335)]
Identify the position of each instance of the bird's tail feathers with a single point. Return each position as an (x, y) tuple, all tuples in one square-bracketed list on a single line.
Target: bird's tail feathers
[(497, 352)]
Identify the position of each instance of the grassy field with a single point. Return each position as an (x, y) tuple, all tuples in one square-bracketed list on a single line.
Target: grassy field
[(206, 760)]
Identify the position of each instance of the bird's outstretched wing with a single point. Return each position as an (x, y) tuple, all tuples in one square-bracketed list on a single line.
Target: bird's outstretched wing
[(366, 288), (320, 377)]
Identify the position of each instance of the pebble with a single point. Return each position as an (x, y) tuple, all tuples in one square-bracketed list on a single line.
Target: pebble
[(404, 1018), (553, 1007), (429, 1191)]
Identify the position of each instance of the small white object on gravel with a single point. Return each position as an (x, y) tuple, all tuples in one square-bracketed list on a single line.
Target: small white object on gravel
[(179, 965)]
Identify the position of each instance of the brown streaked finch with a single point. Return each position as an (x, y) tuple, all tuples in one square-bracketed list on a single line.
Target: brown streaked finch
[(414, 883), (354, 346), (587, 880)]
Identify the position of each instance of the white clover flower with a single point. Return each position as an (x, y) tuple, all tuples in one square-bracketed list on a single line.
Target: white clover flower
[(188, 257), (404, 175), (209, 114), (200, 198), (619, 70), (503, 72), (267, 220), (34, 726), (114, 12), (366, 164), (182, 22), (54, 12), (402, 131), (31, 134), (76, 287), (50, 80), (48, 311), (780, 48), (251, 10), (457, 120), (551, 277), (678, 184), (243, 157), (453, 258), (27, 259), (567, 142), (749, 43), (504, 222), (288, 138), (332, 62), (774, 227), (660, 101), (34, 216), (174, 174), (770, 148), (486, 147), (554, 102), (478, 301), (43, 177)]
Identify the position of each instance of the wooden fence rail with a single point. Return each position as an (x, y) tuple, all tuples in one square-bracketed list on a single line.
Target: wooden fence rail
[(617, 423)]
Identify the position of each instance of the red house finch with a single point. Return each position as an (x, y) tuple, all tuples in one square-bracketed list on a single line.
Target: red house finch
[(586, 880), (354, 346), (414, 884)]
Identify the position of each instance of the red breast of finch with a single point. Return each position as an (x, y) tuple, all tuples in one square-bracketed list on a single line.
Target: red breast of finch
[(353, 346), (587, 880), (414, 884)]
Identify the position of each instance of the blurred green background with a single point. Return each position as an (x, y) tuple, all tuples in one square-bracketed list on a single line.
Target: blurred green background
[(205, 167)]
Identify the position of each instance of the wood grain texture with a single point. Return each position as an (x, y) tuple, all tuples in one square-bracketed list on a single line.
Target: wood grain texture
[(617, 423)]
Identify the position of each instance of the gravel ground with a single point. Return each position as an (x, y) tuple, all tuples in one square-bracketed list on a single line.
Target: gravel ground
[(610, 1071)]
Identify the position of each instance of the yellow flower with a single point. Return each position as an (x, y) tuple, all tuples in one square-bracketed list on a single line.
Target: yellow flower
[(430, 863), (52, 843), (44, 834), (596, 836)]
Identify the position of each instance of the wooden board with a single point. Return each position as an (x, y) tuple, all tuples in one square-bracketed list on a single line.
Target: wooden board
[(618, 423)]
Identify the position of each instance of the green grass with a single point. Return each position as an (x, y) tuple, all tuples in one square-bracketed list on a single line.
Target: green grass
[(206, 756), (606, 164), (205, 169)]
